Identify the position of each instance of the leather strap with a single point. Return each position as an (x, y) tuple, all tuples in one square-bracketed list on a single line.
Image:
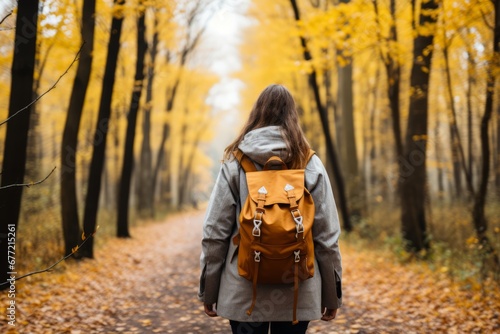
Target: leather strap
[(311, 153), (295, 293), (254, 284), (261, 202), (292, 199), (244, 161)]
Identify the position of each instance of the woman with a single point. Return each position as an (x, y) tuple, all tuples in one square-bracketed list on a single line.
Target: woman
[(272, 129)]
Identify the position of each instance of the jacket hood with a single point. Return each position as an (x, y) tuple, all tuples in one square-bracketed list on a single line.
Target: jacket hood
[(262, 143)]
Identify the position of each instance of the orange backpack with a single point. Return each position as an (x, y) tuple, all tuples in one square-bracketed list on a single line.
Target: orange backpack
[(275, 237)]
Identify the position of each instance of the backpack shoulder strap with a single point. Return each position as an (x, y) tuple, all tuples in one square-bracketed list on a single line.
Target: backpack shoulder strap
[(244, 161), (310, 155)]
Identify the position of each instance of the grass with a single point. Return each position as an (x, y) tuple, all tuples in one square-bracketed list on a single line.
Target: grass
[(454, 250), (40, 242)]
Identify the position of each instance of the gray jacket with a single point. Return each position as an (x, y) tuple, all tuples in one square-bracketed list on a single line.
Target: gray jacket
[(220, 282)]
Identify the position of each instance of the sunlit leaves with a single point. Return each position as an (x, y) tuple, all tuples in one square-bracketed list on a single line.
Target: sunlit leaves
[(348, 28)]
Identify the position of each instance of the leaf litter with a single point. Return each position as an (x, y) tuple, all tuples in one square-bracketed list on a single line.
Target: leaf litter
[(148, 284)]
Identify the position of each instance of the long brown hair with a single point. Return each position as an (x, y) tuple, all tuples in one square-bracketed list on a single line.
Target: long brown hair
[(276, 106)]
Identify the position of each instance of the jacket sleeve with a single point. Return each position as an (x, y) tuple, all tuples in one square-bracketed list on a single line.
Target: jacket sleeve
[(217, 229), (326, 232)]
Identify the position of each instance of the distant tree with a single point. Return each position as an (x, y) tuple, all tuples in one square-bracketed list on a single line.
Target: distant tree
[(332, 155), (459, 161), (497, 160), (393, 72), (412, 178), (348, 149), (187, 164), (478, 214), (128, 153), (14, 158), (69, 203), (192, 39), (145, 195), (101, 130)]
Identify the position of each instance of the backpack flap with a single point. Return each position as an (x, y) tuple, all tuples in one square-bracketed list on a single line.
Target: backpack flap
[(275, 182)]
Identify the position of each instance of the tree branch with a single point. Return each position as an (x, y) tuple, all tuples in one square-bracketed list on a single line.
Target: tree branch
[(28, 184), (73, 251), (6, 16), (47, 91)]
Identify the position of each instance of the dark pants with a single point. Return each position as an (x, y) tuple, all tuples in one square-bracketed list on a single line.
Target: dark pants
[(277, 327)]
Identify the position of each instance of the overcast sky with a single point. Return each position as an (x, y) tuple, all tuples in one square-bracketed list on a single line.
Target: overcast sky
[(221, 47), (5, 6)]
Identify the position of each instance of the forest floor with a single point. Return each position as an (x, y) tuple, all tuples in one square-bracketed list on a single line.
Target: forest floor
[(148, 284)]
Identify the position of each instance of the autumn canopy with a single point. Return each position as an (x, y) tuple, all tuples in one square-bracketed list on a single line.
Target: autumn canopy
[(114, 115)]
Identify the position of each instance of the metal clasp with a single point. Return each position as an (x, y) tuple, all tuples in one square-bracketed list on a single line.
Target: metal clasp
[(298, 222), (257, 221), (257, 256), (297, 255)]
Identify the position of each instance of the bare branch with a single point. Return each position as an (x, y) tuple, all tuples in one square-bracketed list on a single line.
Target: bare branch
[(6, 16), (47, 91), (28, 184), (53, 265)]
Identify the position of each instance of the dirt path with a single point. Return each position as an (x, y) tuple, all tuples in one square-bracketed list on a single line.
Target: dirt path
[(148, 284)]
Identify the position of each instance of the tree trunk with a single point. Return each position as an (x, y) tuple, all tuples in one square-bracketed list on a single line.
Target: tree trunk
[(371, 137), (456, 141), (470, 160), (186, 169), (16, 138), (369, 154), (393, 75), (438, 150), (34, 146), (191, 43), (471, 82), (183, 168), (478, 214), (165, 133), (497, 161), (69, 201), (393, 71), (101, 132), (455, 163), (412, 181), (33, 159), (330, 148), (348, 150), (345, 103), (128, 153), (145, 200)]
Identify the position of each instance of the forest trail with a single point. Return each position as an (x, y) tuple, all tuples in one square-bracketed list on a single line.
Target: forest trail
[(148, 284)]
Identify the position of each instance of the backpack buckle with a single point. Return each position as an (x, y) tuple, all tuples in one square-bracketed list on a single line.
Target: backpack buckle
[(297, 255), (257, 256), (256, 228), (257, 221), (297, 217)]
